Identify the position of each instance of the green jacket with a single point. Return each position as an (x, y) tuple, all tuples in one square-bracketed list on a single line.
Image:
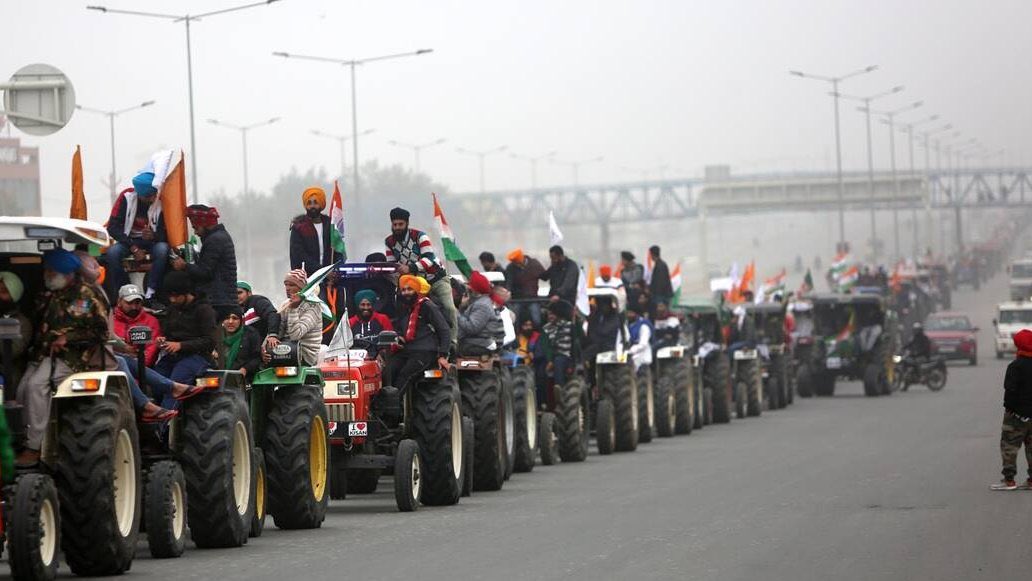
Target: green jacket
[(80, 314)]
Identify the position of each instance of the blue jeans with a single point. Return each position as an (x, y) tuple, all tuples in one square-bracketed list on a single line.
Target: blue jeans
[(180, 369), (159, 262), (160, 386), (560, 369)]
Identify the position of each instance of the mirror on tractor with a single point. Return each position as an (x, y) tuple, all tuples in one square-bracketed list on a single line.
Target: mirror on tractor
[(387, 338)]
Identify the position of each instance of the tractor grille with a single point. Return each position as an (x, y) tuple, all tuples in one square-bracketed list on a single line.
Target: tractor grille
[(341, 412)]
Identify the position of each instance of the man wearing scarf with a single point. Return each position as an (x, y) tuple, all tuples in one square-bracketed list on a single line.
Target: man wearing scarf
[(1017, 412), (214, 273), (310, 246), (424, 330), (368, 323), (241, 345), (138, 228)]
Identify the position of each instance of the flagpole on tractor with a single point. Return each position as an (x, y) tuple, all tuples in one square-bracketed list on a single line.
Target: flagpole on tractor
[(111, 120)]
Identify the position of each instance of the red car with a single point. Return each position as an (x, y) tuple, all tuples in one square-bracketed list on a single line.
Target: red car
[(953, 336)]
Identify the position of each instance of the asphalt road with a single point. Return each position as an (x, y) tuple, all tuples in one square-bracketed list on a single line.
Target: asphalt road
[(840, 488)]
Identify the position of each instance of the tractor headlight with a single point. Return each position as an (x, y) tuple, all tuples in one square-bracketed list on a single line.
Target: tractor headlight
[(85, 384), (286, 372)]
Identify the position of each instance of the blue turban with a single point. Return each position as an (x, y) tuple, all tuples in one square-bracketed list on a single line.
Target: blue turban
[(62, 261), (366, 295), (142, 184)]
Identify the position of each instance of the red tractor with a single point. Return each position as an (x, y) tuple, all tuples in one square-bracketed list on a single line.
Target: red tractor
[(419, 435)]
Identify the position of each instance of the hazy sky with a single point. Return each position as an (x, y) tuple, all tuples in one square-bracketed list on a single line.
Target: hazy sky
[(643, 83)]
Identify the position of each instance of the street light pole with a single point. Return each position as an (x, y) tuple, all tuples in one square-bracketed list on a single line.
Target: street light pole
[(890, 119), (342, 140), (111, 121), (533, 164), (481, 155), (909, 129), (575, 167), (352, 63), (417, 148), (838, 140), (927, 168), (186, 19)]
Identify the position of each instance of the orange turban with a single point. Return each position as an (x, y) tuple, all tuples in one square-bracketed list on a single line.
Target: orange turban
[(424, 286), (516, 255), (318, 193), (409, 281), (605, 271)]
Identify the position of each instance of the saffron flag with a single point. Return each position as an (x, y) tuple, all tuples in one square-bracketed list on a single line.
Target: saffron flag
[(748, 277), (173, 205), (337, 220), (78, 208), (451, 250)]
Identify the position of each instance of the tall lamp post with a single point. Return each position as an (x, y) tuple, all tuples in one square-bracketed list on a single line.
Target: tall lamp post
[(908, 128), (866, 110), (111, 120), (480, 155), (533, 164), (890, 119), (343, 141), (838, 139), (243, 129), (352, 64), (417, 148), (575, 166), (928, 173), (186, 19)]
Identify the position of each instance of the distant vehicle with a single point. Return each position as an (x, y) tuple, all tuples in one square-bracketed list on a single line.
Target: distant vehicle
[(953, 336), (1011, 317), (1021, 280)]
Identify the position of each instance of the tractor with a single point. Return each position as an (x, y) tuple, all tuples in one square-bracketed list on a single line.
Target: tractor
[(675, 390), (771, 345), (705, 319), (856, 338), (618, 411)]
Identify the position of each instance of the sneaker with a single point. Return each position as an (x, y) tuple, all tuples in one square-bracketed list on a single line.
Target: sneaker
[(1004, 485)]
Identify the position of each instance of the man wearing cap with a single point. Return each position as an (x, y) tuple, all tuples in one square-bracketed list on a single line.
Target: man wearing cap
[(1017, 413), (310, 246), (414, 253), (521, 278), (300, 320), (368, 323), (129, 313), (258, 311), (605, 279), (70, 339), (188, 333), (138, 228), (214, 273)]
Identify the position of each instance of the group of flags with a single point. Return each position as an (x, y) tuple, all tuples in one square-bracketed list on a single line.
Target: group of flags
[(844, 272)]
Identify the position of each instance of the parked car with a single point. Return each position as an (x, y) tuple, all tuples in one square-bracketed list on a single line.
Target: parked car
[(953, 336), (1011, 317)]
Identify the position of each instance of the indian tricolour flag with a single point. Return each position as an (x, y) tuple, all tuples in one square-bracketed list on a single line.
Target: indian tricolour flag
[(676, 282), (839, 265), (451, 250), (337, 220), (849, 278), (310, 291)]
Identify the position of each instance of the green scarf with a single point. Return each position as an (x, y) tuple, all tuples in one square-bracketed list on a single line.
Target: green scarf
[(232, 343)]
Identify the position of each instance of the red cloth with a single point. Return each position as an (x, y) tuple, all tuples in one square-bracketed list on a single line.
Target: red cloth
[(1023, 341), (479, 283), (123, 323), (383, 320)]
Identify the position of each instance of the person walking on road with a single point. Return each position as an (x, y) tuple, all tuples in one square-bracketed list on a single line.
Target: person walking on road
[(1017, 413)]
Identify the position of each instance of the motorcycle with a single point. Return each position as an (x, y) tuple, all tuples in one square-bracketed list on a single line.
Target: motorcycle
[(912, 371)]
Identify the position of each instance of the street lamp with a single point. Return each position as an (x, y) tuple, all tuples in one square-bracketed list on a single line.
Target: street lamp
[(908, 128), (417, 148), (575, 166), (533, 164), (927, 168), (481, 155), (186, 19), (342, 140), (352, 64), (866, 109), (243, 129), (890, 117), (111, 120), (838, 140)]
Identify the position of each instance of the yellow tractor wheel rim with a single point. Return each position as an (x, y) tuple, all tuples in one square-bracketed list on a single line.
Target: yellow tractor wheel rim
[(317, 458)]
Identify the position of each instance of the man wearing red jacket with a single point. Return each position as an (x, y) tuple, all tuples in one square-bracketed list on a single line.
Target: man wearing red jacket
[(368, 323), (129, 313)]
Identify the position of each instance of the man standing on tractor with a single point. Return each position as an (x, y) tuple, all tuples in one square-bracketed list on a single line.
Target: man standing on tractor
[(215, 272), (521, 278), (129, 313), (368, 323), (604, 327), (70, 339), (187, 337), (479, 324), (259, 312), (661, 290), (420, 324), (667, 327), (487, 260), (558, 347), (138, 228), (310, 245), (605, 279), (414, 253), (300, 320), (641, 337), (562, 276)]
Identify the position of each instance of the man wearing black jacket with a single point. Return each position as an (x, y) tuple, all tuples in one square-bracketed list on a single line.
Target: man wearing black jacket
[(425, 331), (258, 312), (661, 290), (1017, 412), (605, 327), (562, 276), (214, 274), (137, 226), (188, 332), (310, 246)]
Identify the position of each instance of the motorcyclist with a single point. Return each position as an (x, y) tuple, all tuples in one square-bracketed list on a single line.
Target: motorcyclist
[(920, 346)]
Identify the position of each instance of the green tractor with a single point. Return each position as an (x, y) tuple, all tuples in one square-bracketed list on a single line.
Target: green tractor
[(855, 338), (769, 319), (705, 319)]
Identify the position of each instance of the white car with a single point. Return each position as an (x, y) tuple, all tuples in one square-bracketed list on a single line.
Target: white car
[(1021, 280), (1011, 317)]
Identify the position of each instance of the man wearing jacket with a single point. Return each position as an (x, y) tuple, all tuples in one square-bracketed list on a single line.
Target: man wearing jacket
[(138, 227), (1017, 412), (188, 330), (258, 311), (129, 313), (215, 272), (310, 246), (521, 278), (661, 289), (562, 276), (479, 323), (421, 325), (241, 347)]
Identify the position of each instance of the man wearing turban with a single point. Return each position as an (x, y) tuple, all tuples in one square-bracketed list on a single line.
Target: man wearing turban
[(521, 278), (367, 323), (138, 228), (424, 330), (310, 246)]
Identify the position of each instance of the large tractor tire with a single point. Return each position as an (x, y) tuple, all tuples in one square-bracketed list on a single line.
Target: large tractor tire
[(483, 397), (467, 457), (740, 397), (665, 416), (216, 450), (33, 528), (605, 427), (164, 509), (549, 444), (99, 484), (509, 422), (789, 381), (525, 418), (805, 380), (572, 420), (297, 457), (436, 418), (619, 387), (872, 386), (261, 498), (338, 474), (716, 377), (362, 481), (646, 404), (752, 376), (707, 406), (684, 397), (824, 383), (701, 418)]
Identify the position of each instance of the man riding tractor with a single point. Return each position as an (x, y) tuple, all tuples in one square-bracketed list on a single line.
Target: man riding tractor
[(770, 344), (617, 410), (745, 364), (856, 339), (675, 394), (711, 368), (640, 331)]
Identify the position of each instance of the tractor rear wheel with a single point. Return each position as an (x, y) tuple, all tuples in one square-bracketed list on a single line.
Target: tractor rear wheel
[(605, 427), (620, 388), (338, 474), (804, 380), (216, 451), (99, 484), (297, 457), (525, 418), (484, 398), (260, 498), (716, 376), (572, 420), (436, 419), (646, 404), (549, 442), (33, 528), (684, 396), (665, 403), (467, 456), (753, 378)]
